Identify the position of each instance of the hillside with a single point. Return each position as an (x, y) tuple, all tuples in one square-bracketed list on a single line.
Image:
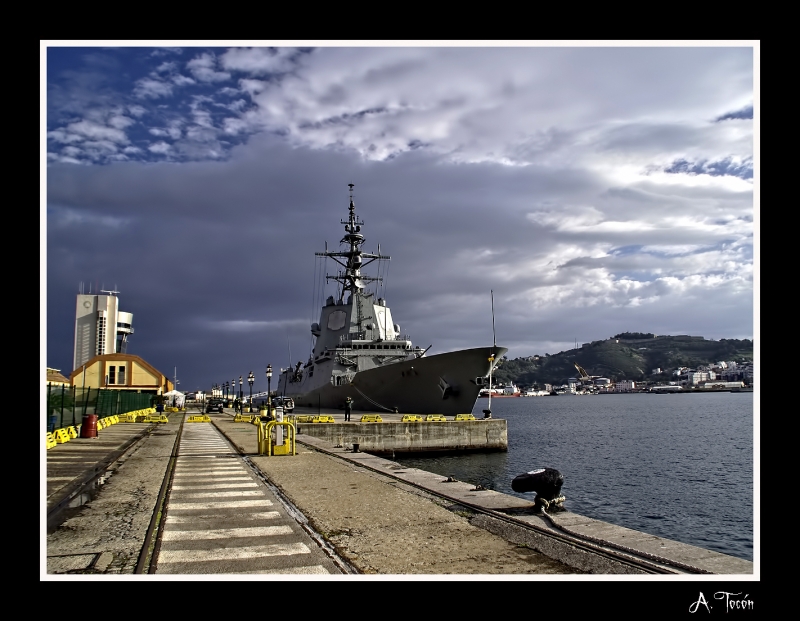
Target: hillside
[(631, 356)]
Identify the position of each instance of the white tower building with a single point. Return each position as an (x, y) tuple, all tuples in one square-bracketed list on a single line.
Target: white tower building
[(100, 327)]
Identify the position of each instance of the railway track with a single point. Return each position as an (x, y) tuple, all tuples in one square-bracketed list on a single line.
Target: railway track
[(218, 516)]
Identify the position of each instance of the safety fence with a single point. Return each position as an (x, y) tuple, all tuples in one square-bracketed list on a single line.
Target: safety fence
[(67, 405)]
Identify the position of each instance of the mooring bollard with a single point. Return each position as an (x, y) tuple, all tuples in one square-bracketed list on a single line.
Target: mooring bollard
[(546, 482)]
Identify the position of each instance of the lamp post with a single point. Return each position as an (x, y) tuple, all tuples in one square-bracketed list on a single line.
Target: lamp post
[(233, 388), (250, 379), (225, 385), (241, 394), (269, 390)]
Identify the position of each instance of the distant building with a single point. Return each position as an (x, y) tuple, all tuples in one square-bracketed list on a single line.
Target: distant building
[(54, 378), (121, 372), (625, 386), (656, 371), (100, 327), (696, 377), (721, 385)]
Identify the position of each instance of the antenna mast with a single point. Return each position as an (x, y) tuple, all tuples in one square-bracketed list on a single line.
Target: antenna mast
[(487, 413)]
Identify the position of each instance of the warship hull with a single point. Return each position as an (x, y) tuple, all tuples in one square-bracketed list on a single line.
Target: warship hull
[(439, 384)]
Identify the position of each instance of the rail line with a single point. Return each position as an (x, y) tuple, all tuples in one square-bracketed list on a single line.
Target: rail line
[(218, 515)]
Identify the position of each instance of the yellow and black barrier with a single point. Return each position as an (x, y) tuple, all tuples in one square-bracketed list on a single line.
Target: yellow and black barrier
[(50, 440), (72, 431), (155, 417), (267, 442), (411, 418), (61, 436), (371, 418), (199, 418), (243, 418), (435, 418), (464, 417)]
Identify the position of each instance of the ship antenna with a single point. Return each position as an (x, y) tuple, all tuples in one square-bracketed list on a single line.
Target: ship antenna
[(487, 413), (494, 336)]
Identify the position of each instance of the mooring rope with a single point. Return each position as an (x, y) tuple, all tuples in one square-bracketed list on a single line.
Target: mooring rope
[(373, 402)]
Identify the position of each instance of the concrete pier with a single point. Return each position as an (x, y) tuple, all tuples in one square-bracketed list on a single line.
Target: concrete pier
[(392, 436)]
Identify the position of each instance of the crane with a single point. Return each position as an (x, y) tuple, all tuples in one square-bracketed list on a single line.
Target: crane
[(584, 376)]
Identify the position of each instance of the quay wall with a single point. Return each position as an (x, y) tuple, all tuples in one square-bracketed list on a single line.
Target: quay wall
[(420, 437)]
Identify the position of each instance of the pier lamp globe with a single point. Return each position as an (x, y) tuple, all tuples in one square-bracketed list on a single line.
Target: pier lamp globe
[(241, 393), (269, 390), (250, 379)]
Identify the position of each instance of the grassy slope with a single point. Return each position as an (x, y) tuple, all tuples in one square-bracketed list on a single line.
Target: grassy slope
[(632, 359)]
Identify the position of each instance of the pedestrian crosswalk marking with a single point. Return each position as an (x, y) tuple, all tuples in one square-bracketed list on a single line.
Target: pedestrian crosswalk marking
[(225, 533), (231, 554), (193, 519)]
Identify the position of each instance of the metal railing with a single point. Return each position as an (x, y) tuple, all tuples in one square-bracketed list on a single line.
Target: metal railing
[(67, 405)]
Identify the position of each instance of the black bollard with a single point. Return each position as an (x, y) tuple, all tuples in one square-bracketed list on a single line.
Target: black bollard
[(546, 482)]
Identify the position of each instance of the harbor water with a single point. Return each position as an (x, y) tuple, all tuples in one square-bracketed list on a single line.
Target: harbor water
[(678, 466)]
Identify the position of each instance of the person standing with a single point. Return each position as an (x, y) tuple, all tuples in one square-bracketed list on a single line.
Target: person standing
[(348, 408)]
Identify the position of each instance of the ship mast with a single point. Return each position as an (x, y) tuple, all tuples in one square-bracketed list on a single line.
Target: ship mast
[(352, 260)]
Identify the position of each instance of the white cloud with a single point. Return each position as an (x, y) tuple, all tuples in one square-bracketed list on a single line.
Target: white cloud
[(257, 61), (203, 69), (160, 147), (150, 88), (82, 130)]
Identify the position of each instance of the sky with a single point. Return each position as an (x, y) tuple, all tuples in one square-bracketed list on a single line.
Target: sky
[(579, 189)]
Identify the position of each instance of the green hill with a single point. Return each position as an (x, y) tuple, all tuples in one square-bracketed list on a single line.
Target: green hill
[(631, 356)]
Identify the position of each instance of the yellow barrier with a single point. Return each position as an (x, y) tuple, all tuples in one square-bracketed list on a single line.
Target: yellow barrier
[(464, 417), (266, 443), (72, 431), (156, 418), (50, 440), (199, 418), (435, 418), (411, 418), (61, 436), (302, 418), (243, 418), (130, 417), (322, 419), (371, 418), (100, 424)]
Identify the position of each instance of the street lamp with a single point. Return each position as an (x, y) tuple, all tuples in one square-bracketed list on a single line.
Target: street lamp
[(240, 394), (269, 390), (226, 390), (250, 379)]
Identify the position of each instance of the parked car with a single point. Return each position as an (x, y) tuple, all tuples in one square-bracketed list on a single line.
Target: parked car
[(287, 403), (214, 405)]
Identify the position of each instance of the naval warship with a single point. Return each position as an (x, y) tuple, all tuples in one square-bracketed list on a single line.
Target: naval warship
[(359, 352)]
